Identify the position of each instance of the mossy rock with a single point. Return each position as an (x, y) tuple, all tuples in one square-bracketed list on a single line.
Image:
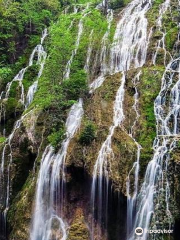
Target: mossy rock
[(20, 211), (78, 229), (99, 111), (160, 56)]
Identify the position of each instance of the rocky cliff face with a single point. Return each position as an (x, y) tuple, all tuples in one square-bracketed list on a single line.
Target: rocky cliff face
[(80, 45)]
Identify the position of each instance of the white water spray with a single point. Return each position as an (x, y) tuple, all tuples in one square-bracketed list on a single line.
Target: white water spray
[(156, 184), (48, 219), (74, 52), (132, 198), (161, 42), (41, 58), (129, 50)]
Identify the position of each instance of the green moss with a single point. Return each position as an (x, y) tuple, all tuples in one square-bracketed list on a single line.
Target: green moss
[(10, 105), (61, 39), (20, 211), (171, 37), (149, 87), (153, 13), (78, 230)]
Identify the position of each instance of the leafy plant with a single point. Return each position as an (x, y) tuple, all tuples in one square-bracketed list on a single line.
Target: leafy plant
[(88, 134), (56, 137), (2, 139), (76, 86)]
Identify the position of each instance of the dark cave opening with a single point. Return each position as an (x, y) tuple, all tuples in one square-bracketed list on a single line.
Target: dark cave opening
[(78, 194), (176, 234)]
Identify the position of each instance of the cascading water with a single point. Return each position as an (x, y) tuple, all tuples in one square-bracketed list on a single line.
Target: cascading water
[(5, 181), (41, 57), (161, 42), (131, 37), (130, 41), (74, 52), (19, 77), (131, 200), (103, 56), (102, 165), (41, 53), (89, 52), (155, 188), (2, 114), (129, 49), (48, 220)]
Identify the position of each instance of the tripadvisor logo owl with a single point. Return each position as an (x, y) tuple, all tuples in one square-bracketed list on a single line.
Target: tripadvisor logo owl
[(139, 231)]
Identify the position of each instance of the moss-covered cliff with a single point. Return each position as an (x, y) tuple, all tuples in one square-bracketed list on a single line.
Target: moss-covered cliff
[(80, 35)]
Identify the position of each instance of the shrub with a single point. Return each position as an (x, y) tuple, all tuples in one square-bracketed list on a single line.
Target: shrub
[(88, 134), (76, 86), (2, 139), (56, 138)]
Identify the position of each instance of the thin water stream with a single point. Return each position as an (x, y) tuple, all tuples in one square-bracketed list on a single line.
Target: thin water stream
[(48, 222), (128, 50)]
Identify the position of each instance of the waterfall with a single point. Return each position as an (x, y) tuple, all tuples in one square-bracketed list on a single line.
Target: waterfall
[(6, 183), (103, 55), (89, 51), (2, 114), (156, 187), (20, 76), (74, 51), (131, 37), (161, 42), (41, 53), (41, 57), (48, 219), (128, 50), (131, 200), (102, 165), (130, 41)]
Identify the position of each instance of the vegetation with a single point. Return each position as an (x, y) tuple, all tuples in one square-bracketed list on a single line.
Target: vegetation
[(68, 41), (56, 137), (76, 86), (149, 89), (88, 134), (21, 23), (2, 139)]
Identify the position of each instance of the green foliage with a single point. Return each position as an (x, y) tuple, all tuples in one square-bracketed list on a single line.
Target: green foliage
[(149, 89), (88, 134), (30, 76), (53, 91), (5, 76), (153, 13), (115, 4), (5, 72), (20, 22), (14, 89), (56, 137), (171, 37), (76, 86), (2, 139)]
